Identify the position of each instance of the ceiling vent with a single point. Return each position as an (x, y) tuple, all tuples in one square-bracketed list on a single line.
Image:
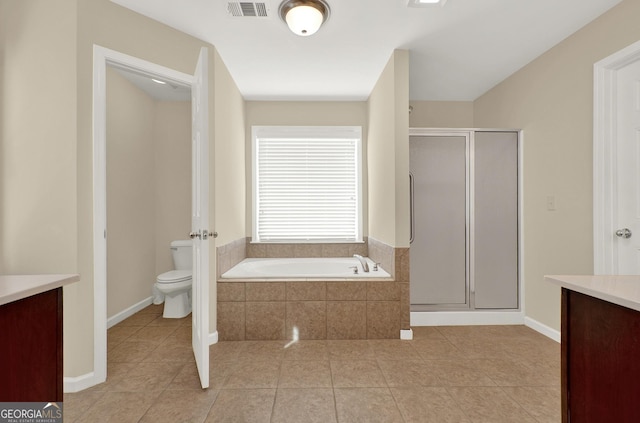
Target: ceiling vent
[(244, 9)]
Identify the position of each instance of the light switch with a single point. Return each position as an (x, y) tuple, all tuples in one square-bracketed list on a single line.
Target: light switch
[(551, 202)]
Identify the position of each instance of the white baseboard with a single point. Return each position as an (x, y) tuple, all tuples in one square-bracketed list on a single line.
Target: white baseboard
[(466, 318), (213, 338), (80, 383), (119, 317), (406, 334), (542, 328)]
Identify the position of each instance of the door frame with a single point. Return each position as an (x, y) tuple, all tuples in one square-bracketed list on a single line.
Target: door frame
[(605, 198), (101, 58)]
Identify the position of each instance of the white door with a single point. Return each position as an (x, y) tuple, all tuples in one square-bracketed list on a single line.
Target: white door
[(200, 218), (628, 174)]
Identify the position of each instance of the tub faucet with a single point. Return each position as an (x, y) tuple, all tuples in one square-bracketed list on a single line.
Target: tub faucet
[(363, 262)]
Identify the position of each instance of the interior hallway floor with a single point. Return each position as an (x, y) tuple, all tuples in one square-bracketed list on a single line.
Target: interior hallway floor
[(446, 374)]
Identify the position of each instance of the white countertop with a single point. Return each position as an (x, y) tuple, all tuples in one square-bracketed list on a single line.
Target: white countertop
[(17, 287), (620, 290)]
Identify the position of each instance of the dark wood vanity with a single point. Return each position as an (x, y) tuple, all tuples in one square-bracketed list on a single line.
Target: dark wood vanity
[(600, 348), (31, 337)]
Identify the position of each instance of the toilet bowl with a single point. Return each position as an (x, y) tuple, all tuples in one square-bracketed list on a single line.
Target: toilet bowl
[(175, 285)]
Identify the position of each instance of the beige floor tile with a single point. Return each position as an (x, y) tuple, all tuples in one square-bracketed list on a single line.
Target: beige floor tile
[(115, 372), (408, 373), (549, 371), (530, 348), (516, 373), (155, 334), (481, 332), (131, 351), (458, 373), (156, 309), (426, 332), (543, 403), (350, 350), (428, 405), (489, 405), (304, 405), (446, 374), (226, 351), (307, 350), (253, 375), (219, 371), (120, 407), (119, 333), (146, 377), (138, 319), (436, 349), (180, 336), (305, 374), (188, 379), (161, 321), (242, 405), (75, 405), (357, 374), (180, 406), (480, 347), (366, 405), (393, 349), (263, 350), (167, 353)]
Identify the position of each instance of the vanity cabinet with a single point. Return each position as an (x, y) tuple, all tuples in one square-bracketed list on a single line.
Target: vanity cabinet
[(31, 337), (600, 348)]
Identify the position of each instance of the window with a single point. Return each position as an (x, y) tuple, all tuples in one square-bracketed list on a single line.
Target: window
[(307, 184)]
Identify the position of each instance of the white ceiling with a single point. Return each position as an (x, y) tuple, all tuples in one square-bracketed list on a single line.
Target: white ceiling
[(457, 51)]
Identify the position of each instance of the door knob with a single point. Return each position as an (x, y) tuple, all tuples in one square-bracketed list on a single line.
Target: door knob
[(623, 233), (203, 234)]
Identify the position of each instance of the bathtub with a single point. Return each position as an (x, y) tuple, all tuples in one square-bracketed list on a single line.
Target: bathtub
[(303, 268)]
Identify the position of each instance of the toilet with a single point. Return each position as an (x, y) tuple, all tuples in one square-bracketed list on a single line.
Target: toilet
[(175, 285)]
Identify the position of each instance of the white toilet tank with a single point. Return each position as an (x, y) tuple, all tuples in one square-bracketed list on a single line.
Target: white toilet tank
[(182, 254)]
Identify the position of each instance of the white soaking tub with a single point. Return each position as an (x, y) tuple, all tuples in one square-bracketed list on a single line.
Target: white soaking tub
[(303, 268)]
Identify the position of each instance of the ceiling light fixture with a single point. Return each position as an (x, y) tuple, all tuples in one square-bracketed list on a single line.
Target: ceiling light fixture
[(304, 17), (425, 3)]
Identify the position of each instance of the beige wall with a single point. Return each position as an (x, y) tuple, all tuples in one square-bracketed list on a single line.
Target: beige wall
[(441, 114), (388, 153), (172, 152), (130, 194), (311, 113), (228, 110), (38, 137), (551, 99), (230, 174)]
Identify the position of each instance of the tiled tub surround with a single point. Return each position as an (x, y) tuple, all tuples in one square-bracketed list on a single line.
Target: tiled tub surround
[(278, 309)]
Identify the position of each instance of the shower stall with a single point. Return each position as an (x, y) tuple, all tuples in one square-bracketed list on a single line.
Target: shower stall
[(464, 220)]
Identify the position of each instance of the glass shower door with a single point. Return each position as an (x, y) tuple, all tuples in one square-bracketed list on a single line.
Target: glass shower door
[(438, 252)]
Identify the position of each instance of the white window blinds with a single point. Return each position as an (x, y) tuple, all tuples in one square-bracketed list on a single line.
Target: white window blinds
[(307, 184)]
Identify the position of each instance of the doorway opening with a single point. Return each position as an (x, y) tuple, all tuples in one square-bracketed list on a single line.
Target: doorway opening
[(105, 59), (148, 154)]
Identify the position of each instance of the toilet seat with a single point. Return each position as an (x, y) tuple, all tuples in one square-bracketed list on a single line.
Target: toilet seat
[(174, 276)]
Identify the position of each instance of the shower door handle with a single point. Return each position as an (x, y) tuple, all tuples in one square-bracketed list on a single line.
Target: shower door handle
[(412, 215)]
